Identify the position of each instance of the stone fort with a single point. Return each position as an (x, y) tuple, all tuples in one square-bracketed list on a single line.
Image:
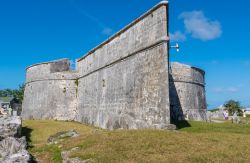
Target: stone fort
[(125, 82)]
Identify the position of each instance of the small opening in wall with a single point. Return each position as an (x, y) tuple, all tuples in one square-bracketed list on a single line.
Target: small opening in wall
[(103, 83)]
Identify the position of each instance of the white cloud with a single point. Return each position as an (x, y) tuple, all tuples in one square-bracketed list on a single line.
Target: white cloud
[(177, 36), (201, 27), (226, 90), (232, 89), (107, 31), (218, 90)]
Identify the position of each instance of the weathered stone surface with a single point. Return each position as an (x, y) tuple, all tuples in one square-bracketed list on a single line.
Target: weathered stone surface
[(55, 139), (66, 157), (10, 126), (132, 93), (14, 150), (49, 94), (140, 34), (187, 93), (122, 83)]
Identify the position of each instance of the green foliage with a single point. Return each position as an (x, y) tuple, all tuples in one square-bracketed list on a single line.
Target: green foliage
[(233, 107), (6, 93), (77, 82), (19, 93), (214, 110), (16, 93)]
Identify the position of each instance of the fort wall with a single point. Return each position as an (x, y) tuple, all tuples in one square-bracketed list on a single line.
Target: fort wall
[(122, 83), (125, 82)]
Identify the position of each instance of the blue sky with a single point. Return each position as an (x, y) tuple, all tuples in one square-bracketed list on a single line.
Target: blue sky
[(213, 35)]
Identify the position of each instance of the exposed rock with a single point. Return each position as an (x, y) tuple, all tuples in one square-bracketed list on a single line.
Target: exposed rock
[(14, 150), (67, 159), (10, 126), (55, 139)]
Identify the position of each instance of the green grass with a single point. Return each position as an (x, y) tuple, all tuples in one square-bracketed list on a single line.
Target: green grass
[(227, 127), (247, 118), (192, 142)]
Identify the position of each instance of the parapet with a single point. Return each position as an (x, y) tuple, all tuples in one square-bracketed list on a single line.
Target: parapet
[(185, 73), (58, 70)]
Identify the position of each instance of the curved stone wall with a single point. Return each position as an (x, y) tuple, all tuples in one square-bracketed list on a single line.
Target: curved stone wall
[(50, 91), (122, 83), (187, 92)]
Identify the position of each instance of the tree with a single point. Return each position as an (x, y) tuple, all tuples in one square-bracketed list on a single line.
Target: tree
[(19, 93), (233, 107), (16, 93), (6, 93)]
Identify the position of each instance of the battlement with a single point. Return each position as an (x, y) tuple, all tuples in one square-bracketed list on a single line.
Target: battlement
[(53, 70)]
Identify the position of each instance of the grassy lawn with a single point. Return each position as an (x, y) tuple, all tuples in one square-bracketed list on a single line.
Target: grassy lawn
[(200, 142)]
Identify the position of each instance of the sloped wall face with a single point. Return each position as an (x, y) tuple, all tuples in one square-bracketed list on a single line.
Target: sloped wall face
[(50, 92), (187, 93), (124, 82)]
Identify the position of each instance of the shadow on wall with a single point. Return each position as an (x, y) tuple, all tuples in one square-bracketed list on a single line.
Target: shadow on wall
[(176, 111)]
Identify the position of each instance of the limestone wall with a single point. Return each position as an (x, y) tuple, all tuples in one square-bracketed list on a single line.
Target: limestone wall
[(187, 92), (124, 81), (50, 91), (130, 94)]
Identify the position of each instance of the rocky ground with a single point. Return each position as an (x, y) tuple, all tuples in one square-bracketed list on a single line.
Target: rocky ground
[(12, 145)]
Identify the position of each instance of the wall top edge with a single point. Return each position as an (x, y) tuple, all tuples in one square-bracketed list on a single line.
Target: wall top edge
[(173, 64), (42, 63), (162, 3)]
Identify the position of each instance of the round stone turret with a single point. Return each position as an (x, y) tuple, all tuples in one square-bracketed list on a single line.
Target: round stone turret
[(187, 93), (50, 91)]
